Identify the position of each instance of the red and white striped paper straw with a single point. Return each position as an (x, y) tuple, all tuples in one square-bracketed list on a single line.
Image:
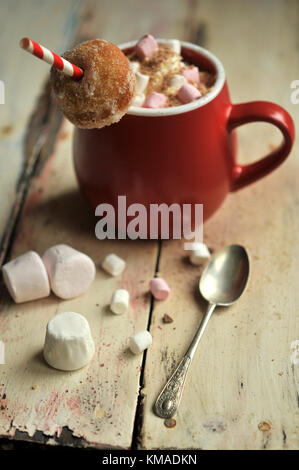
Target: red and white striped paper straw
[(51, 58)]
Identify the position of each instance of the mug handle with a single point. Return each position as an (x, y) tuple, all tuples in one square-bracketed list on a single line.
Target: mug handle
[(267, 112)]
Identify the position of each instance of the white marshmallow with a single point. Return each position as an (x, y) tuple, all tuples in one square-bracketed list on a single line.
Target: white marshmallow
[(135, 66), (68, 342), (26, 277), (113, 264), (141, 82), (177, 81), (70, 271), (174, 44), (120, 301), (192, 246), (199, 253), (140, 341), (138, 99)]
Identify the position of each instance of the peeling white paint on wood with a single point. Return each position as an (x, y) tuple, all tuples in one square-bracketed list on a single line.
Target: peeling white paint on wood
[(23, 77), (242, 390), (98, 402)]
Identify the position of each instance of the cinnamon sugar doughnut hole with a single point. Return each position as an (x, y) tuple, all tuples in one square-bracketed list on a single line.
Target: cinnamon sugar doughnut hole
[(102, 96)]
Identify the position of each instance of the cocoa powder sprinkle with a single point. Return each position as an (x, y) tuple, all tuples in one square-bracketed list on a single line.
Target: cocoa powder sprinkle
[(161, 67)]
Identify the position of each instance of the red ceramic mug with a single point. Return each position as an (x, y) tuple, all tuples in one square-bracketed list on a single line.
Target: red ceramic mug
[(184, 154)]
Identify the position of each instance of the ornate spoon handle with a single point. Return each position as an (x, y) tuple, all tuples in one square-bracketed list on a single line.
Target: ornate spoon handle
[(169, 399)]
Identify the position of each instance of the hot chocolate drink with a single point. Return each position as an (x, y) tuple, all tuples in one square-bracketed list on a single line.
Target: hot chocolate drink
[(163, 77)]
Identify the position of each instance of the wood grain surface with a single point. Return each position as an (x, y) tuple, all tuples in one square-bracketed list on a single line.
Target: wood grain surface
[(242, 388), (23, 77)]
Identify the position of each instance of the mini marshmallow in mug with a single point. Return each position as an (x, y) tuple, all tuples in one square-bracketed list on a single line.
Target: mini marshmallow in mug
[(135, 66), (140, 341), (113, 264), (138, 99), (174, 44), (155, 100), (177, 81), (191, 74), (146, 46), (120, 301), (188, 93), (141, 82)]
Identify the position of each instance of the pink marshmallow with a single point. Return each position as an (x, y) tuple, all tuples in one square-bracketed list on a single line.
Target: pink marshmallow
[(191, 74), (159, 288), (188, 93), (146, 46), (155, 100)]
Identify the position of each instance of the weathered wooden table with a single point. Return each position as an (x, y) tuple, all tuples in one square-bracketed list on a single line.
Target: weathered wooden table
[(241, 391)]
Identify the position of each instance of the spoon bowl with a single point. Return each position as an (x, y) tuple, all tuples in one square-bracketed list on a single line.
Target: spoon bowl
[(225, 277)]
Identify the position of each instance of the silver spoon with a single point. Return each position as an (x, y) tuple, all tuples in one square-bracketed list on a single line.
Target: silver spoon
[(222, 282)]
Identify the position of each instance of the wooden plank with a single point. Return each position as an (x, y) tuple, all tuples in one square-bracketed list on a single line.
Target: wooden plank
[(242, 389), (98, 403), (238, 427), (23, 77), (74, 20)]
